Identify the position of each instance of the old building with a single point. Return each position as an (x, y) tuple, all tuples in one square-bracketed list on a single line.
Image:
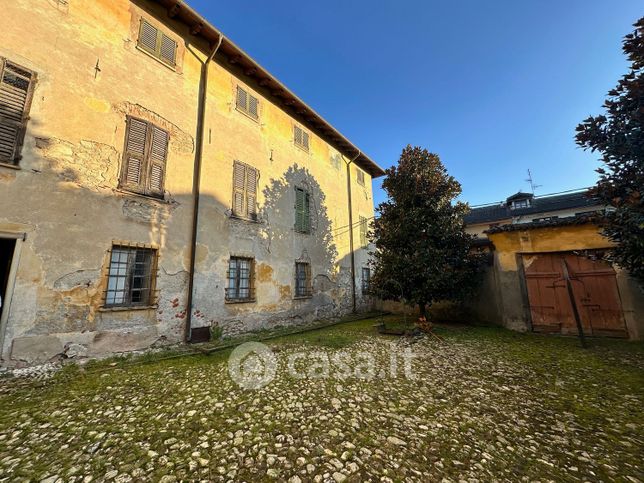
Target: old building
[(528, 208), (542, 250), (149, 165)]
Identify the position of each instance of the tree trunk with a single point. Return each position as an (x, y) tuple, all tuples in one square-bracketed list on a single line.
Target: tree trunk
[(422, 307)]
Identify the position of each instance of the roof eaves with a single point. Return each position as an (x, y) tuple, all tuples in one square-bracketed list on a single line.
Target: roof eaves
[(179, 9)]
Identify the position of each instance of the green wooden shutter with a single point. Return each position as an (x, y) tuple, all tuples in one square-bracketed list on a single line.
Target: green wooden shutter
[(16, 90), (302, 211)]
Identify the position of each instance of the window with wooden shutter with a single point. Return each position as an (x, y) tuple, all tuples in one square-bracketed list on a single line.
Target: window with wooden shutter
[(247, 103), (144, 158), (155, 42), (302, 211), (364, 228), (16, 92), (301, 138), (245, 181), (360, 176)]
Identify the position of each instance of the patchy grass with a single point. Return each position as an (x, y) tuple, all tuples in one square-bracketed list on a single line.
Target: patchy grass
[(485, 403)]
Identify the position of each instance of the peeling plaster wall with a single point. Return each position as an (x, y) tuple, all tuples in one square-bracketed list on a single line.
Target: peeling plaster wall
[(65, 195)]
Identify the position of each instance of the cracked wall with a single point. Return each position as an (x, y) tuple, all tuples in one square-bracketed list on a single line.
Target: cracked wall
[(65, 196)]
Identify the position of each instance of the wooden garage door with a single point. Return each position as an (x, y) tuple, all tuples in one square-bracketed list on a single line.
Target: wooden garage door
[(594, 288)]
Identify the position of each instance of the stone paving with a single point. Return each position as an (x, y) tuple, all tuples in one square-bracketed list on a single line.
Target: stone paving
[(482, 404)]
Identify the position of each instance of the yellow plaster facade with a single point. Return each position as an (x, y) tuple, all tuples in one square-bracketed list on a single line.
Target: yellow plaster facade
[(65, 196)]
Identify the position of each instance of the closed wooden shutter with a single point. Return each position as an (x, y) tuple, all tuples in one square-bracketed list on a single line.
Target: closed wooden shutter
[(305, 140), (298, 135), (168, 49), (302, 215), (360, 176), (251, 191), (148, 35), (16, 90), (157, 43), (252, 106), (239, 185), (145, 157), (242, 99), (137, 134), (301, 137), (247, 103), (158, 156), (363, 232)]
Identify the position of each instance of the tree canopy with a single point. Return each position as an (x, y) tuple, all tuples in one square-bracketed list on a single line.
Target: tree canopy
[(422, 253), (617, 135)]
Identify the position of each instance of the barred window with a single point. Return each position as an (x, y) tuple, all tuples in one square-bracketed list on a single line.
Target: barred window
[(156, 43), (360, 176), (131, 277), (366, 279), (301, 137), (247, 103), (16, 92), (303, 286), (240, 280)]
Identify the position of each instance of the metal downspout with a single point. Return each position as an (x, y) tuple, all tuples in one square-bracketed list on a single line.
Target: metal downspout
[(353, 258), (196, 184)]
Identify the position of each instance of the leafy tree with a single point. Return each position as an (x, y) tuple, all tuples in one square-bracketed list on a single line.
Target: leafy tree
[(422, 253), (618, 135)]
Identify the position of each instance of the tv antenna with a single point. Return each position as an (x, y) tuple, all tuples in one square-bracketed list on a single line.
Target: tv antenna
[(533, 186)]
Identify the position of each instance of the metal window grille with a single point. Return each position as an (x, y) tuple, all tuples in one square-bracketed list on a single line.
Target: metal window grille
[(366, 279), (303, 286), (131, 277), (240, 280)]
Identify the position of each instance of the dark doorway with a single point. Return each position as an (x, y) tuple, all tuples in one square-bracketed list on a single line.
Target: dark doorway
[(7, 246)]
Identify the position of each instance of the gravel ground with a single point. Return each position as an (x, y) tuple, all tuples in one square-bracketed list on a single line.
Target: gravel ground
[(481, 404)]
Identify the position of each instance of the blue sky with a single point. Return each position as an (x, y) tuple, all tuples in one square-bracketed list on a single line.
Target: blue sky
[(493, 87)]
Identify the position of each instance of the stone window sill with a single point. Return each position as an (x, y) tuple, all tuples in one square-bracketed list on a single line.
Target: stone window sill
[(240, 301), (9, 165), (126, 309)]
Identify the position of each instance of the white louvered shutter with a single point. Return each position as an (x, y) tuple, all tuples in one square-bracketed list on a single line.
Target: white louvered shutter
[(158, 157), (16, 88)]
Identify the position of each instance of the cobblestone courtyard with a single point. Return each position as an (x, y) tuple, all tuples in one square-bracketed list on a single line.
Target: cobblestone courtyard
[(484, 404)]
